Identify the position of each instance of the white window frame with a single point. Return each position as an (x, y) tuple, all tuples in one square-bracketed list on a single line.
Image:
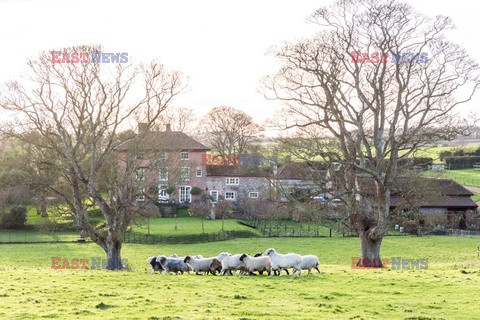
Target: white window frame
[(232, 181), (141, 197), (215, 198), (250, 194), (182, 155), (186, 194), (160, 174), (230, 199), (197, 171), (185, 177), (142, 170), (162, 191)]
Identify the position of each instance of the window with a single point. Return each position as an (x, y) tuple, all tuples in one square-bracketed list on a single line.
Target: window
[(253, 195), (229, 195), (184, 194), (141, 174), (185, 173), (163, 155), (184, 155), (214, 195), (162, 192), (199, 171), (232, 181), (163, 176), (141, 195)]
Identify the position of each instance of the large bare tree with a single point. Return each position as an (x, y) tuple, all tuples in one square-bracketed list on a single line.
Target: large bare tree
[(78, 109), (348, 82), (229, 131)]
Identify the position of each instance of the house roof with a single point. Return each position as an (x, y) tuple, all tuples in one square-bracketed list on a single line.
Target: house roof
[(239, 171), (163, 140), (299, 171), (446, 187), (425, 193), (449, 202)]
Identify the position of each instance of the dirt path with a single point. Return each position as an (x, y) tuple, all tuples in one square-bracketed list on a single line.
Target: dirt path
[(476, 190), (473, 189)]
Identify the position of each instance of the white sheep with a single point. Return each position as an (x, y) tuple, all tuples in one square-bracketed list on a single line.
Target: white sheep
[(230, 262), (284, 261), (259, 264), (179, 257), (199, 265), (309, 262)]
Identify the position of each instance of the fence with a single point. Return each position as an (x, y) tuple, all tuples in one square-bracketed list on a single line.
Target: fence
[(276, 229), (458, 232), (192, 238), (279, 228), (27, 237)]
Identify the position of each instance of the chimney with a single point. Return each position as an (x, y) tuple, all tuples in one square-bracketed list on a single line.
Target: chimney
[(168, 128), (142, 127)]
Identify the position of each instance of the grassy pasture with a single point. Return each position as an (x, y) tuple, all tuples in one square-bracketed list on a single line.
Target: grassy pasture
[(466, 177), (448, 289)]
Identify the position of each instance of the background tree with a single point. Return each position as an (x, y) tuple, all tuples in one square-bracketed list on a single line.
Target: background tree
[(78, 109), (223, 209), (229, 131), (179, 118), (201, 209), (379, 112)]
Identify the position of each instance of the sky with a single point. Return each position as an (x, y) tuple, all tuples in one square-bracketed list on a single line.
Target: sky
[(220, 46)]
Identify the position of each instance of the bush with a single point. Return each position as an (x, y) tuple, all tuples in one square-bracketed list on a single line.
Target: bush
[(435, 220), (472, 220), (462, 162), (14, 218), (223, 209), (200, 209), (196, 191), (47, 226), (411, 226), (416, 162)]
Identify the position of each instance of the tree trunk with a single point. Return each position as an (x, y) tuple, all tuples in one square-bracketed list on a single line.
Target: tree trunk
[(370, 251), (114, 258), (43, 206)]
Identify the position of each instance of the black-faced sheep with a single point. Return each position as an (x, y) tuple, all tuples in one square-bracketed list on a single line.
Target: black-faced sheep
[(156, 266)]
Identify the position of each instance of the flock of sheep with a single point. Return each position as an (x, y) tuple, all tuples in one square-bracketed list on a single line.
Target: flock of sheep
[(270, 261)]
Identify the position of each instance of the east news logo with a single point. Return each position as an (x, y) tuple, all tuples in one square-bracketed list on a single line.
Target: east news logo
[(89, 57), (397, 263), (97, 263)]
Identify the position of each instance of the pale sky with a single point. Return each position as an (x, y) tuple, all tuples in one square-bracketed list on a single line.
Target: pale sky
[(219, 45)]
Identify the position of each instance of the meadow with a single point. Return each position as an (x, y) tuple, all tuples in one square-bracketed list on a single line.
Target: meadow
[(448, 289)]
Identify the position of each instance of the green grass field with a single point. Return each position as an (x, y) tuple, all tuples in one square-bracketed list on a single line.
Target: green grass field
[(466, 177), (448, 289), (185, 226)]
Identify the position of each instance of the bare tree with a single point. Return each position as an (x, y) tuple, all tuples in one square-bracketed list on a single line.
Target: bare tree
[(179, 118), (201, 209), (78, 110), (379, 111), (229, 131)]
